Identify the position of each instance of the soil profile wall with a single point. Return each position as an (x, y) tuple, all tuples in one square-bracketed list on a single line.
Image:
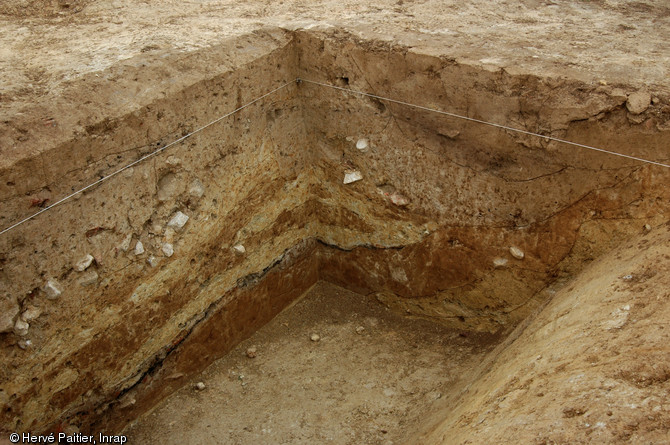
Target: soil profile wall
[(465, 194), (428, 230), (154, 276)]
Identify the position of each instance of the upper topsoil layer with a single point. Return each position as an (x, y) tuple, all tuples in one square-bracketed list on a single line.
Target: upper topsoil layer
[(47, 43)]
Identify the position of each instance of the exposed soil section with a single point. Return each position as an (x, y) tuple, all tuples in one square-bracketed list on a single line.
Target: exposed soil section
[(113, 299), (463, 196), (370, 378), (592, 367)]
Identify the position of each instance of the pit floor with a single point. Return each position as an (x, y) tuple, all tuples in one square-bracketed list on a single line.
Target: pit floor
[(372, 378)]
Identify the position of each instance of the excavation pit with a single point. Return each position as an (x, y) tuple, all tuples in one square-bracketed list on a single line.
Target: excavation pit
[(371, 377), (118, 297)]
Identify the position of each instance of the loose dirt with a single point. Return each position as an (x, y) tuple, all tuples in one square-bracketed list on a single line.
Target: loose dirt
[(371, 378)]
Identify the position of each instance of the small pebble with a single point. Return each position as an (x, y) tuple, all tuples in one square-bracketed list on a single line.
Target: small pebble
[(52, 289), (360, 330), (168, 237), (168, 250), (647, 228), (500, 262), (31, 313), (516, 253), (125, 244), (139, 248), (362, 144), (89, 278), (84, 263), (239, 248), (196, 189), (24, 344), (251, 352), (399, 199), (173, 161), (21, 327), (178, 221), (200, 386), (352, 177), (315, 337), (153, 261)]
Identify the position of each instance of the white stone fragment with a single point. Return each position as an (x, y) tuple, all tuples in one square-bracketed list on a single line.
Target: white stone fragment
[(200, 386), (500, 262), (178, 221), (353, 176), (647, 228), (84, 263), (315, 337), (638, 102), (153, 261), (9, 308), (24, 344), (89, 278), (21, 328), (399, 199), (52, 289), (618, 319), (196, 189), (168, 249), (31, 313), (125, 244), (362, 144), (139, 248), (173, 161), (516, 253), (239, 248)]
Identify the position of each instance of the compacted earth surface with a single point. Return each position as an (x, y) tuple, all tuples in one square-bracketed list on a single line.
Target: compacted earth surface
[(336, 367), (46, 43)]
